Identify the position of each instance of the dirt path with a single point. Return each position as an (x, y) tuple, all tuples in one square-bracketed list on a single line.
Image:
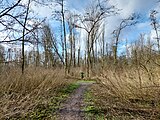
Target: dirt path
[(72, 108)]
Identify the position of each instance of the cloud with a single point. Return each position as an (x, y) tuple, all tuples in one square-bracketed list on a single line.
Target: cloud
[(41, 10), (127, 8), (153, 36), (131, 6), (82, 40)]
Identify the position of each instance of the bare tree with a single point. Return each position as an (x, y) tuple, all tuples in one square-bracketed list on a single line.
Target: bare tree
[(50, 46), (131, 20), (61, 3), (23, 36), (13, 23), (155, 25), (91, 23), (71, 20), (2, 57)]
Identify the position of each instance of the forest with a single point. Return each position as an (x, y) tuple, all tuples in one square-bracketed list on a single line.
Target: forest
[(79, 60)]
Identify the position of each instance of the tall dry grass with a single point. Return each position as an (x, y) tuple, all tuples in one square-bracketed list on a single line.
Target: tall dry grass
[(130, 90), (20, 93)]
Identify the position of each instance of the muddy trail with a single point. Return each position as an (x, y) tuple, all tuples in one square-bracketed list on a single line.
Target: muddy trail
[(72, 108)]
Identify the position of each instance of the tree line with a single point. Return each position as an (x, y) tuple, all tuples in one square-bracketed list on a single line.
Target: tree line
[(21, 27)]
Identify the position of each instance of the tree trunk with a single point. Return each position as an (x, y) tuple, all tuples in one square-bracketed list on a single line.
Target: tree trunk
[(88, 56), (71, 49), (78, 57), (62, 41), (115, 48), (74, 51), (65, 41), (37, 56), (23, 37)]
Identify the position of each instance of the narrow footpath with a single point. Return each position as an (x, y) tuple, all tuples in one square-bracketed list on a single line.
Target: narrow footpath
[(72, 108)]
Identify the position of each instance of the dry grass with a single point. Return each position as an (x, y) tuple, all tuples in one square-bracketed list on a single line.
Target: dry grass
[(125, 92), (19, 94)]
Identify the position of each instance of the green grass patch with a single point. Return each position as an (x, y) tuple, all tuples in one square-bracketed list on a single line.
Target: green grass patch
[(91, 111), (48, 110), (86, 81), (69, 89)]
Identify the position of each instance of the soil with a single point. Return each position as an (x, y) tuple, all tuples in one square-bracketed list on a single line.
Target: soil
[(72, 108)]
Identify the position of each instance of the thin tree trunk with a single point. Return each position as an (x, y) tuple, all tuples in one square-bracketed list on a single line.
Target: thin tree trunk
[(62, 41), (71, 49), (74, 51), (155, 28), (103, 43), (65, 41), (88, 56), (116, 47), (23, 38), (78, 57), (37, 56)]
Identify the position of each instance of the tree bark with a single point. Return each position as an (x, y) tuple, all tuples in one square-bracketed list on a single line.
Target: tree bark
[(23, 38), (65, 41), (78, 57)]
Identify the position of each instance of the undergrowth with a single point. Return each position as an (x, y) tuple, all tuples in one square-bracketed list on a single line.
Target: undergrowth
[(34, 95), (48, 110), (125, 94)]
